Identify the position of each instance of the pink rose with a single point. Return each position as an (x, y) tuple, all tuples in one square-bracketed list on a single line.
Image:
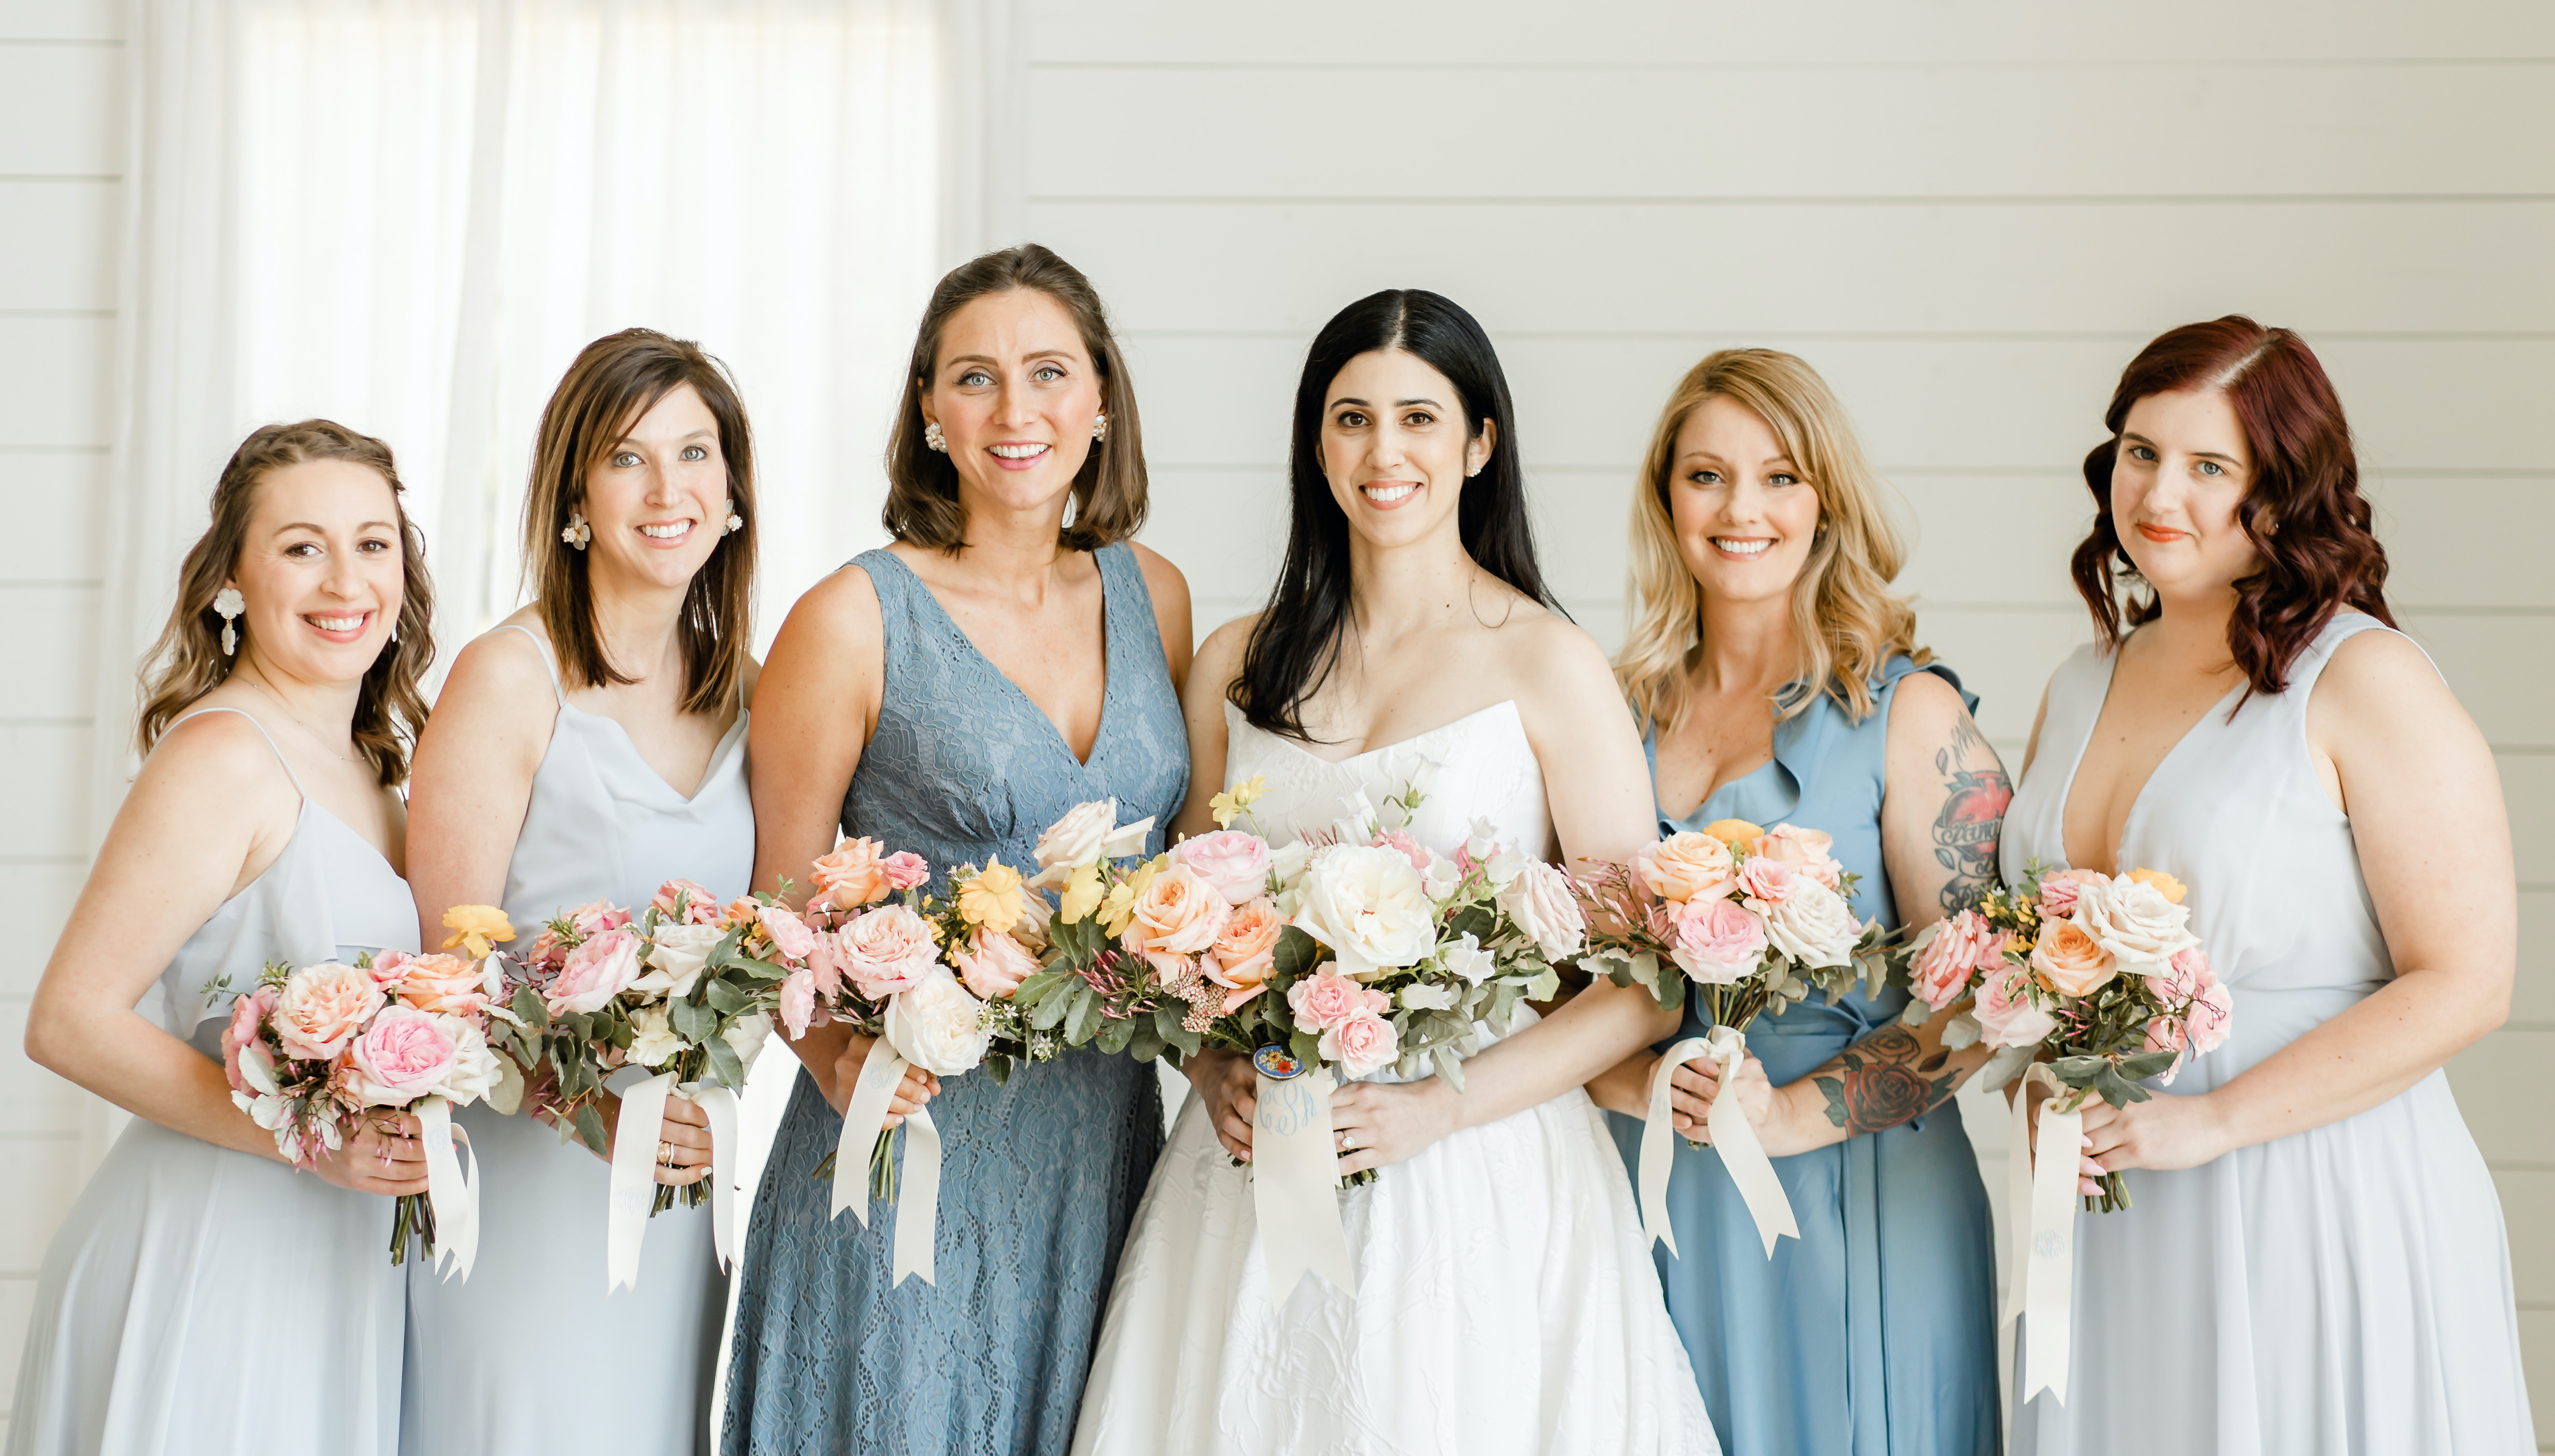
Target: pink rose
[(2058, 891), (1361, 1044), (1684, 866), (596, 971), (1235, 863), (2164, 1034), (798, 1001), (2212, 1015), (321, 1008), (596, 916), (2180, 978), (1962, 944), (1806, 851), (388, 966), (402, 1056), (827, 962), (790, 935), (993, 965), (241, 1035), (1328, 999), (687, 901), (2007, 1013), (904, 870), (1717, 941), (1766, 880), (889, 950), (1400, 840)]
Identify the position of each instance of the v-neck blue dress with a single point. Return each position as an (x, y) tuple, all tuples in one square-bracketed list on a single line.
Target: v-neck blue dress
[(1874, 1332), (1039, 1177)]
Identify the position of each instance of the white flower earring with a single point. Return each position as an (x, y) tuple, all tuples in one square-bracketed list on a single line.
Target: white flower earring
[(933, 439), (227, 605), (1099, 425), (578, 532), (734, 521)]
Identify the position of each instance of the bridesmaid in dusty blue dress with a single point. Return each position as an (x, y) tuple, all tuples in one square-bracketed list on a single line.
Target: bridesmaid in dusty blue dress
[(1011, 655), (1874, 1332)]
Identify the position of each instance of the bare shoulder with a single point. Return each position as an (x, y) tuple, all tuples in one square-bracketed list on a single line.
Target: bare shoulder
[(1925, 710), (1219, 657), (225, 753), (1162, 579), (1549, 656), (2381, 682), (499, 665)]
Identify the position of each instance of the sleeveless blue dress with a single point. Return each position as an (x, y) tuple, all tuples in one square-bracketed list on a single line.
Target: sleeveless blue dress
[(1875, 1332), (1039, 1178)]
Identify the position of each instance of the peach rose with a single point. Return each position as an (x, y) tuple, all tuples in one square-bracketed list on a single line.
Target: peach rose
[(1685, 866), (1361, 1044), (443, 983), (2161, 882), (852, 876), (1734, 832), (1241, 957), (2071, 961), (888, 951), (1805, 850), (993, 964), (322, 1007), (1178, 913), (2007, 1013), (1327, 999)]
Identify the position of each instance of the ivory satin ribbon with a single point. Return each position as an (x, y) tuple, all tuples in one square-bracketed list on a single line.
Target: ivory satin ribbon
[(450, 1190), (2040, 1191), (1732, 1136), (1294, 1183), (634, 1171), (918, 1196)]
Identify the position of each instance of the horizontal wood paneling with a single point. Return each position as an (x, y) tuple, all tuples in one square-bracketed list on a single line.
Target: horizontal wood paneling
[(58, 111), (50, 500), (62, 19), (2528, 1216), (1404, 37), (59, 249), (2532, 999), (2467, 542), (1883, 131), (2529, 788), (22, 958), (54, 381), (45, 800), (1818, 266), (49, 651)]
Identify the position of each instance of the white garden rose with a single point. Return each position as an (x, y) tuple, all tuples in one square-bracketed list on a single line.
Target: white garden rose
[(1539, 898), (1813, 925), (748, 1035), (474, 1068), (675, 956), (652, 1037), (938, 1026), (2134, 921), (1368, 905), (1086, 835)]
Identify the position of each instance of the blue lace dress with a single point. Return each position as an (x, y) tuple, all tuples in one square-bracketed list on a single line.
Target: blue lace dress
[(1874, 1333), (1039, 1178)]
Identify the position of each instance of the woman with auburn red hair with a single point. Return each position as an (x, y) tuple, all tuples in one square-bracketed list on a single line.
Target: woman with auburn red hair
[(2316, 1260)]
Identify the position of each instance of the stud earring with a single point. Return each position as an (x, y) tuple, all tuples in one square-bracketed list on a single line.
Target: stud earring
[(228, 604), (578, 532), (933, 439), (1099, 425), (734, 521)]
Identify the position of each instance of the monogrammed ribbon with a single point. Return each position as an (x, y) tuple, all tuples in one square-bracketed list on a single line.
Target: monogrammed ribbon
[(917, 1194), (450, 1190), (633, 1178), (2040, 1190), (1294, 1182), (1732, 1137)]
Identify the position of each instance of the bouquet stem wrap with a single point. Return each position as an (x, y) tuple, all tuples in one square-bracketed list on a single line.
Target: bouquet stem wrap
[(1294, 1183), (2042, 1209), (1741, 1153), (452, 1192), (918, 1199), (634, 1171)]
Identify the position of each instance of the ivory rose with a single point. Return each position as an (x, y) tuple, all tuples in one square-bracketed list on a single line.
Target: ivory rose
[(2007, 1013), (2134, 922), (676, 955), (1716, 941), (1684, 866), (887, 951), (2071, 961), (1806, 851), (598, 970), (1954, 949), (1765, 881), (1813, 927), (687, 901), (322, 1008), (651, 1035), (747, 1036), (993, 964), (1368, 905), (851, 877), (2058, 891), (441, 982), (1085, 836), (1539, 898), (1328, 998), (1235, 863), (938, 1026), (1361, 1044), (1241, 958)]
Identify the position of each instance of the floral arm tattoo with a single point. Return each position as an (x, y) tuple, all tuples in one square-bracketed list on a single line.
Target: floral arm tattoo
[(1886, 1079), (1975, 794)]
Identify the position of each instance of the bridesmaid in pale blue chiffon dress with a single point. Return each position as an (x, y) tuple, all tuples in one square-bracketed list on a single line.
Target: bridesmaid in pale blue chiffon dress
[(1006, 666), (1873, 1331)]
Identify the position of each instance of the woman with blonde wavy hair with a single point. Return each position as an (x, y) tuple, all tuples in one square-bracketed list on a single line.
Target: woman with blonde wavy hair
[(1778, 682)]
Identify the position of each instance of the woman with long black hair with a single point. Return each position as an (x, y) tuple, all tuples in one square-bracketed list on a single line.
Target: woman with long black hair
[(1504, 1299)]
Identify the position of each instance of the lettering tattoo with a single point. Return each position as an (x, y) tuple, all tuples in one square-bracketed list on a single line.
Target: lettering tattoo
[(1975, 794), (1886, 1079)]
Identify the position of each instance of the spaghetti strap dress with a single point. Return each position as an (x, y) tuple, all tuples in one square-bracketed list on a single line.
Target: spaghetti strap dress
[(2341, 1291), (1039, 1176), (196, 1298), (530, 1356), (1874, 1333)]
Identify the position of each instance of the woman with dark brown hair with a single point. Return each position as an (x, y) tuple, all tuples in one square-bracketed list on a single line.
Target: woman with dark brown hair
[(591, 747), (2315, 1260), (199, 1275), (1010, 655)]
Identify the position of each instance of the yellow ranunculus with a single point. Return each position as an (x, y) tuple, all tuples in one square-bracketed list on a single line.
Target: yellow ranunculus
[(1228, 805), (991, 898), (1734, 832), (1081, 895), (2161, 882), (475, 926), (1119, 908)]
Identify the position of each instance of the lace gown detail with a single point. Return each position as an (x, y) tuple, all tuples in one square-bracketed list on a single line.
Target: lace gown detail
[(1505, 1301), (1039, 1177), (2341, 1291)]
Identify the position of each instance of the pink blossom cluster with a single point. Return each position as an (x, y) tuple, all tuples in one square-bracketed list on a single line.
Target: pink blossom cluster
[(1350, 1019)]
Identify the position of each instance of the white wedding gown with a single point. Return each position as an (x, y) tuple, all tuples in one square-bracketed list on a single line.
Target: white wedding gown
[(1506, 1301)]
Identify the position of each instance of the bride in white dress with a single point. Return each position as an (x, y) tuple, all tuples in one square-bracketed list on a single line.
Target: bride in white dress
[(1505, 1300)]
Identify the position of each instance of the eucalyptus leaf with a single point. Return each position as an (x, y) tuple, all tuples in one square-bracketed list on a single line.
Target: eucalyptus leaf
[(1115, 1035), (2146, 1064), (1543, 987), (1084, 1017), (589, 1129), (726, 1068), (530, 1008), (724, 998), (1450, 1066), (1146, 1041)]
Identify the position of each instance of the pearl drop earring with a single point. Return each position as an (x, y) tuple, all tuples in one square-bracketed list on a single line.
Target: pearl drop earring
[(734, 522), (1099, 425), (933, 439), (228, 604)]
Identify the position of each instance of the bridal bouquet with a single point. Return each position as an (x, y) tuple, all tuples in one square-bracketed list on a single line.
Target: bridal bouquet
[(1753, 919), (2104, 974), (314, 1049)]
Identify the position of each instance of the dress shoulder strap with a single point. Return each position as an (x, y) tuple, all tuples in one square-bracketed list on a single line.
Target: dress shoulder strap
[(1122, 582), (261, 732), (550, 662)]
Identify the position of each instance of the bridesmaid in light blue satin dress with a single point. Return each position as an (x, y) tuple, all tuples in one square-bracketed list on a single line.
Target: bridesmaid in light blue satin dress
[(1011, 655), (1871, 1334)]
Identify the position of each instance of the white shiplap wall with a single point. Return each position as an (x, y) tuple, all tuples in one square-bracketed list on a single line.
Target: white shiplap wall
[(1967, 215), (62, 147)]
